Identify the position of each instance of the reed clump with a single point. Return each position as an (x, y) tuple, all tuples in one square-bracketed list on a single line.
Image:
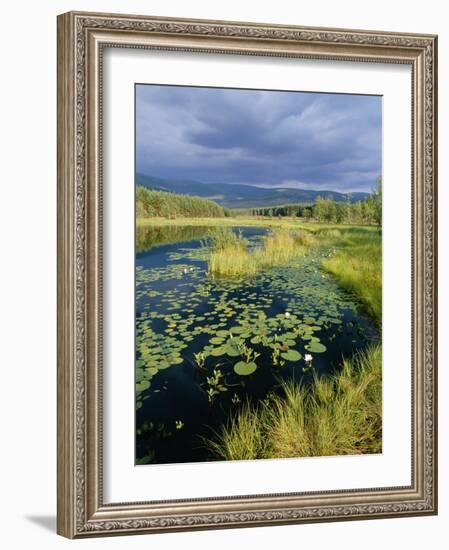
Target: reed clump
[(231, 255)]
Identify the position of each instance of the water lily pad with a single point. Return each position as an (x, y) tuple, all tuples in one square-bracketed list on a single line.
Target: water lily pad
[(316, 347), (152, 370), (142, 386), (217, 352), (290, 343), (237, 330), (232, 351), (245, 369), (335, 321), (216, 340), (291, 355)]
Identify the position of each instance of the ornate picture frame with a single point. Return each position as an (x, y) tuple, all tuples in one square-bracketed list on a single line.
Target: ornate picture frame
[(82, 38)]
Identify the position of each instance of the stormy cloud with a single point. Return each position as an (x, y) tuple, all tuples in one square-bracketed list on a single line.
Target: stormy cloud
[(265, 138)]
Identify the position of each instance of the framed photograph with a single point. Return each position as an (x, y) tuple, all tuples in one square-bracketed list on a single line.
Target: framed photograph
[(246, 274)]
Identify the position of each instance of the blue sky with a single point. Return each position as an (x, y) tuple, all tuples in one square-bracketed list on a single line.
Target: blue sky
[(264, 138)]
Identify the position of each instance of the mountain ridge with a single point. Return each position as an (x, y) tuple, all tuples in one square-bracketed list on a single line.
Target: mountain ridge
[(237, 195)]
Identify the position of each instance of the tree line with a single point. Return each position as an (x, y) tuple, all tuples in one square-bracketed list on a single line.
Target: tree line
[(151, 203), (367, 211)]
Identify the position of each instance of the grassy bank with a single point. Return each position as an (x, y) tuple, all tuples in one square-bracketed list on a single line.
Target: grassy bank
[(224, 222), (357, 264), (338, 415)]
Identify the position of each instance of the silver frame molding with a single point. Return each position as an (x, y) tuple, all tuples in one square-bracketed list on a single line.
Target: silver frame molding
[(81, 39)]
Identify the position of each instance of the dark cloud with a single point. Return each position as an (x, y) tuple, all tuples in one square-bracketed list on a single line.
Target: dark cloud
[(307, 140)]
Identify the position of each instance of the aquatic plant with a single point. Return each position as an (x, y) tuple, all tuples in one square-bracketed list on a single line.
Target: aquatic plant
[(200, 359), (275, 356), (215, 385), (248, 354), (235, 399)]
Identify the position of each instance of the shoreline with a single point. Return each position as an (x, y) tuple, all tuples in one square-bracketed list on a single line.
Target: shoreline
[(247, 222)]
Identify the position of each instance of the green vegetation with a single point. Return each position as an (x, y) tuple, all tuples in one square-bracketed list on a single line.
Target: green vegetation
[(223, 238), (161, 204), (354, 258), (151, 204), (222, 222), (232, 263), (328, 210), (368, 211), (231, 257), (283, 210), (357, 264), (338, 415)]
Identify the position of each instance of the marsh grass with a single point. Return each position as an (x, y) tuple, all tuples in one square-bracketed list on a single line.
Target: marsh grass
[(338, 415), (282, 246), (356, 264), (222, 238), (231, 257), (232, 262)]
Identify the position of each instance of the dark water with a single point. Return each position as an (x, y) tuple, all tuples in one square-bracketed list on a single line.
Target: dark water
[(180, 309)]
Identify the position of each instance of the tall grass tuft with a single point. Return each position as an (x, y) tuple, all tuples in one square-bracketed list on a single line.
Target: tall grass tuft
[(221, 238), (230, 256), (232, 262), (245, 443), (338, 415)]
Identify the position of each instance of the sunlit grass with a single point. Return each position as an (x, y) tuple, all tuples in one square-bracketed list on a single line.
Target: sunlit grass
[(238, 221), (357, 264), (282, 246), (232, 262), (338, 415), (231, 257), (221, 238)]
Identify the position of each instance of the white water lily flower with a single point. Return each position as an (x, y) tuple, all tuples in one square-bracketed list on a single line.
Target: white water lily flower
[(308, 358), (184, 271), (287, 314)]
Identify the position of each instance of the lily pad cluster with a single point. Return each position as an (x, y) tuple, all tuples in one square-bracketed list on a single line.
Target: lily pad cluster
[(268, 322)]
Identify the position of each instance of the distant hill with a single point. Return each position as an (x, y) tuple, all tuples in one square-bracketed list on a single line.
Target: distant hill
[(234, 195)]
